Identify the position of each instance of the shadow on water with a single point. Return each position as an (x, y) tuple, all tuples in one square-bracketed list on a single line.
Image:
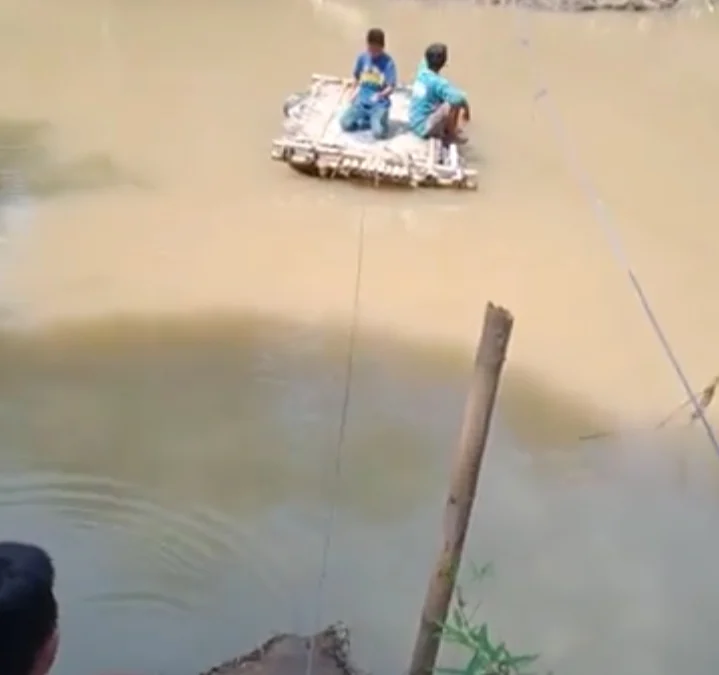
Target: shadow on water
[(29, 165), (136, 399), (180, 470)]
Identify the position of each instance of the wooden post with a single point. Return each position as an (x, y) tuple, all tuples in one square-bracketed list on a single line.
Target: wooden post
[(465, 472)]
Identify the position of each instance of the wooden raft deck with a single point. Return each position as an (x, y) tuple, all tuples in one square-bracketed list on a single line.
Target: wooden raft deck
[(314, 141)]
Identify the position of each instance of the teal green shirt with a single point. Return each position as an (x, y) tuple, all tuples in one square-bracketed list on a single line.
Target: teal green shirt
[(429, 91)]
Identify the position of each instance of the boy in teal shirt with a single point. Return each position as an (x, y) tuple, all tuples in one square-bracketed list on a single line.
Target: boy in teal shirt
[(437, 105)]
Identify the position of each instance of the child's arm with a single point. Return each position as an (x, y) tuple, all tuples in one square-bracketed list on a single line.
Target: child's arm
[(455, 97), (359, 64), (390, 79), (450, 94)]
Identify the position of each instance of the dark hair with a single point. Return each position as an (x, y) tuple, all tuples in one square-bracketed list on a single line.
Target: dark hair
[(28, 609), (375, 37), (436, 56)]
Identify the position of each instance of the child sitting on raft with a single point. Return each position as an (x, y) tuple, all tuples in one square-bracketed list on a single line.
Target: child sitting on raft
[(437, 108), (375, 77)]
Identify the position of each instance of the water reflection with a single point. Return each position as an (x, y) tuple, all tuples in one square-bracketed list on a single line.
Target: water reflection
[(132, 400), (28, 163)]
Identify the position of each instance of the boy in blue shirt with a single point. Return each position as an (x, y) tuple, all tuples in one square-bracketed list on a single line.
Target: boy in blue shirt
[(375, 79), (437, 106)]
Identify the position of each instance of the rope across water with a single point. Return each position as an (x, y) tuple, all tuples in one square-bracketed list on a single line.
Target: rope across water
[(333, 489), (603, 216)]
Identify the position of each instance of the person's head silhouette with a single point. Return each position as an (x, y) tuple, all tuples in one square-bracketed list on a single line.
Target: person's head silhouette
[(28, 610)]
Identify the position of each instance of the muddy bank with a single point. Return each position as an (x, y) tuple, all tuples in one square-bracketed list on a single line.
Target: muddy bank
[(584, 5), (326, 653)]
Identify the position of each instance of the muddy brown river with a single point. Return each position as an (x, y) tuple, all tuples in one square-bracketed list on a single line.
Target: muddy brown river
[(176, 311)]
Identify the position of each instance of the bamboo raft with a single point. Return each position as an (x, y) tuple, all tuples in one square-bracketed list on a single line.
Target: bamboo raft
[(314, 142)]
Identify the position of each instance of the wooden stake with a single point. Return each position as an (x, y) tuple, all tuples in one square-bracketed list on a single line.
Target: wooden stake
[(465, 473)]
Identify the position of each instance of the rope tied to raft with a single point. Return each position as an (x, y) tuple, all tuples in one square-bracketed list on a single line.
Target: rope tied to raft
[(333, 491), (604, 218)]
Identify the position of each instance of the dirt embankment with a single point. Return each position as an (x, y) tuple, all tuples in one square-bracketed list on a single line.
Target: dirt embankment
[(290, 654)]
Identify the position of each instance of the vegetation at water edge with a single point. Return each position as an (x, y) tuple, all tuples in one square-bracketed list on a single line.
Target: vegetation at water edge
[(484, 655)]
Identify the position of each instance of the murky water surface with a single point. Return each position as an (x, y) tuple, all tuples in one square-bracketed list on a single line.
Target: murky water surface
[(177, 310)]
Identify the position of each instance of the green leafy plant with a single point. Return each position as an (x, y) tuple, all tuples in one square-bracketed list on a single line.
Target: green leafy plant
[(485, 656)]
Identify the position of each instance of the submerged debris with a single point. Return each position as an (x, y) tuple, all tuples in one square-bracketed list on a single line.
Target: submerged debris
[(703, 398)]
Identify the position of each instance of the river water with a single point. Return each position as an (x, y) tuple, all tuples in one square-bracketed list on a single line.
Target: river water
[(177, 311)]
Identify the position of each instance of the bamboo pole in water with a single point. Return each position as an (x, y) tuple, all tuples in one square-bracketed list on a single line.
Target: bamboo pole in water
[(488, 364)]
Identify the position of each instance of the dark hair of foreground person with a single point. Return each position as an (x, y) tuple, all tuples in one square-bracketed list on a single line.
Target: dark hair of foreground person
[(28, 610)]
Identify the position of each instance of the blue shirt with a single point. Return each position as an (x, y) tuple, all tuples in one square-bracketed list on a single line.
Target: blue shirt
[(429, 91), (374, 74)]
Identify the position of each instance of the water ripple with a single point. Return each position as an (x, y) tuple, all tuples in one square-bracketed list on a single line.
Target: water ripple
[(148, 599), (189, 548)]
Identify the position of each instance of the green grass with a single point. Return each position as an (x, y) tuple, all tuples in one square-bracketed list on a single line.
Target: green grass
[(472, 639)]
